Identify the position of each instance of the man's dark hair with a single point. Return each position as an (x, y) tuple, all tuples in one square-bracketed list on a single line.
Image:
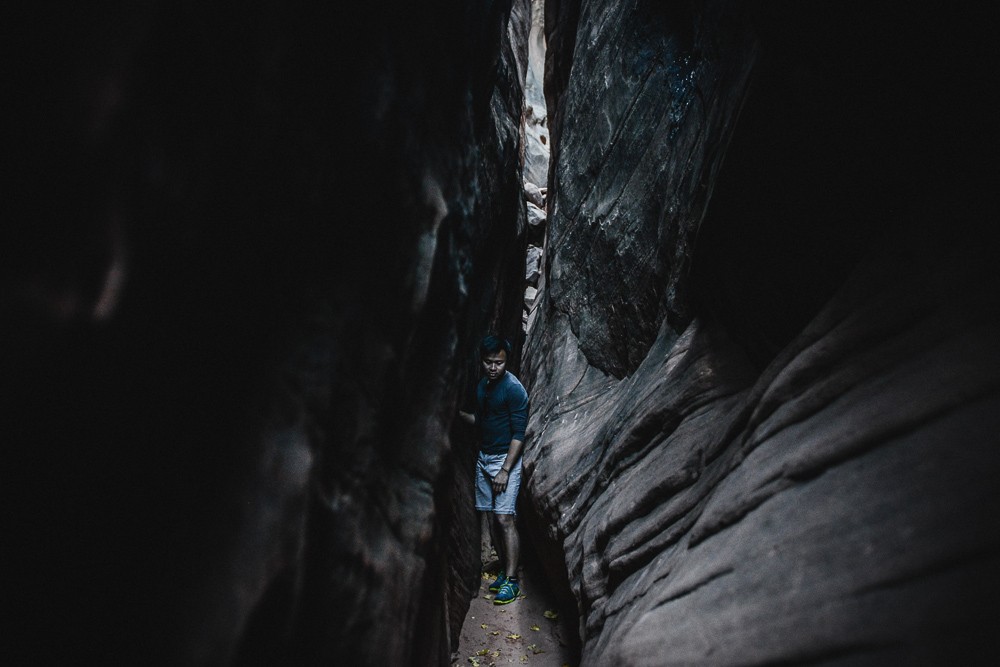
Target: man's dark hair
[(492, 345)]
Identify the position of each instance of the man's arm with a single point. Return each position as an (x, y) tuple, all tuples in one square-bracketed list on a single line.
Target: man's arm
[(518, 406)]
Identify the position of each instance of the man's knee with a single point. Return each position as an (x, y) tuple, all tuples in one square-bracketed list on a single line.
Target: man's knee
[(505, 520)]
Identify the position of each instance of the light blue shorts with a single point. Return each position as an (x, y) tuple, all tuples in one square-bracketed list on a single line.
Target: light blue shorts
[(487, 467)]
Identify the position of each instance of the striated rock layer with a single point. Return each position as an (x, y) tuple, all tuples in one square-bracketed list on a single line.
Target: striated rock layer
[(766, 388), (251, 253)]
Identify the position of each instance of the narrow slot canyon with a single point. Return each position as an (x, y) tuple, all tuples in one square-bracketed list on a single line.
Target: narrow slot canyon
[(744, 253)]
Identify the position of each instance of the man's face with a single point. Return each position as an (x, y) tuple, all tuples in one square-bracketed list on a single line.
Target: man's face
[(495, 364)]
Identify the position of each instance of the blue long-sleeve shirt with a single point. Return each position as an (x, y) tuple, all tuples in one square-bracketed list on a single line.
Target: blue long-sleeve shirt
[(501, 414)]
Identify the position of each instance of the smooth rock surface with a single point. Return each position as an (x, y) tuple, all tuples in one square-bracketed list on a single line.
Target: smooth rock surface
[(251, 254), (764, 373)]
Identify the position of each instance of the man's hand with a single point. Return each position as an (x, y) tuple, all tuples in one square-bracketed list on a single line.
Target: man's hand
[(500, 481), (467, 417)]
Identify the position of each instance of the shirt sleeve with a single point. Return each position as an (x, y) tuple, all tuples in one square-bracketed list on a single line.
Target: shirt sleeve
[(517, 403)]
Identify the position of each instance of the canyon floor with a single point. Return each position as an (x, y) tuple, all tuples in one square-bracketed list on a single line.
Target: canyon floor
[(532, 630)]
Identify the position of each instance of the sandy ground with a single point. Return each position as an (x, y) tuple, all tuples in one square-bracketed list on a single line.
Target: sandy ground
[(529, 631)]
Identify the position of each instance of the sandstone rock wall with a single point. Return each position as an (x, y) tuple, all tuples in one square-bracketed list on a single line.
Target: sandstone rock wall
[(764, 365), (536, 132), (251, 252)]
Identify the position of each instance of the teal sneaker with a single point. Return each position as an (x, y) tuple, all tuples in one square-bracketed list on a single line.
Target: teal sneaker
[(508, 592), (498, 582)]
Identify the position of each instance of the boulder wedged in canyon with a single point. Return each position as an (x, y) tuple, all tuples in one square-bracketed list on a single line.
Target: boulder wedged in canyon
[(764, 372), (254, 250)]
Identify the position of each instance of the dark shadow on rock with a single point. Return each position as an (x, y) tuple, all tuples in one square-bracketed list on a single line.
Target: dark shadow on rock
[(546, 564)]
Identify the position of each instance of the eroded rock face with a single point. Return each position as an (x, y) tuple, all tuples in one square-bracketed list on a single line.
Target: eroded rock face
[(536, 131), (641, 136), (254, 252), (764, 393)]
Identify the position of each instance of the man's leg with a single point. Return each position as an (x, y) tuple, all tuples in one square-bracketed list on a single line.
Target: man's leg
[(511, 544), (485, 502), (511, 588), (497, 538)]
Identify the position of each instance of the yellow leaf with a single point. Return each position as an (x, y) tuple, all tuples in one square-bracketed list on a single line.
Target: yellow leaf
[(513, 636), (550, 614), (483, 626), (524, 658), (535, 649), (535, 628), (495, 633), (483, 651), (475, 663)]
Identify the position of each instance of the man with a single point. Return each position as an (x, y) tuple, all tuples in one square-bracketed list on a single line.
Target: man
[(502, 416)]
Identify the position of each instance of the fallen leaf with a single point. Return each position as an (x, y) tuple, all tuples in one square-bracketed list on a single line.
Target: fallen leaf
[(483, 651), (495, 633), (524, 658), (513, 636), (550, 614), (483, 626), (535, 628), (475, 663), (536, 649)]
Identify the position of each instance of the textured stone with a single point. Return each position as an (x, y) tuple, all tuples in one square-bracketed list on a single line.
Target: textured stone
[(533, 264), (780, 447), (530, 293), (254, 251), (533, 194), (536, 216), (640, 140), (536, 132)]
